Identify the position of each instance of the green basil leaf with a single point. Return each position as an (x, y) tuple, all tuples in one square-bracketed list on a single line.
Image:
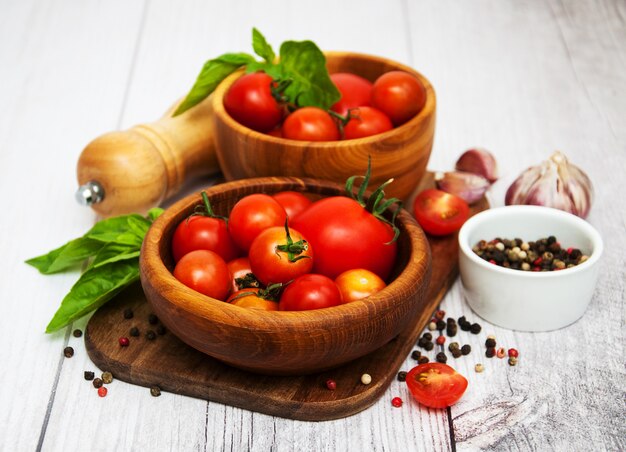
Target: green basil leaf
[(66, 256), (139, 226), (212, 73), (118, 229), (261, 47), (114, 252), (154, 213), (94, 288), (305, 64)]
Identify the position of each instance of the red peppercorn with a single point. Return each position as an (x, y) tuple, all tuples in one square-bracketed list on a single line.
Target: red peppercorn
[(102, 391), (538, 261), (513, 353), (124, 341), (569, 250), (536, 269), (491, 261), (331, 384), (441, 340), (439, 315), (397, 402)]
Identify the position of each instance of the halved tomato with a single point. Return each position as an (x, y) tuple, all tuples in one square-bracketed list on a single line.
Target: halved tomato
[(436, 385)]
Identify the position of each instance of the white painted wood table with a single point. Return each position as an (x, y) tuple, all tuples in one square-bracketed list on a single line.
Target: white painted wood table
[(521, 78)]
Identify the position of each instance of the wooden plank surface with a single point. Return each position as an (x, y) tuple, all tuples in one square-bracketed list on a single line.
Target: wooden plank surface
[(521, 78)]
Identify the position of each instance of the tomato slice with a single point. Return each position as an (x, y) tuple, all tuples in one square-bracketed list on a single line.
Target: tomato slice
[(440, 213), (436, 385)]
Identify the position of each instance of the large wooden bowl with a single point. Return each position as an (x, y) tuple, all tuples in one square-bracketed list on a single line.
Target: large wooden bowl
[(273, 342), (401, 153)]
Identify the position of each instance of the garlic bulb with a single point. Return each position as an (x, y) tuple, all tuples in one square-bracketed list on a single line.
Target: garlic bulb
[(555, 183), (470, 187), (479, 161)]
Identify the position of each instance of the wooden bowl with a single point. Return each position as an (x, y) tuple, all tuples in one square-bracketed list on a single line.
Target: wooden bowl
[(401, 153), (275, 342)]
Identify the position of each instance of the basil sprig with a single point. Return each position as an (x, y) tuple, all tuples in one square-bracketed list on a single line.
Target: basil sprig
[(301, 64), (111, 251)]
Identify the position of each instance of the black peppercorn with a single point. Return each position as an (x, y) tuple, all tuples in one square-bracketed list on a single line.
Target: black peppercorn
[(466, 326), (422, 342), (416, 354), (427, 336), (462, 320), (402, 376), (450, 321), (466, 349), (475, 328), (429, 346), (153, 319), (97, 383), (68, 352), (160, 329), (151, 335), (456, 353), (155, 391), (89, 375), (77, 333), (441, 325), (423, 360), (490, 353), (134, 331), (128, 313), (490, 343), (451, 330), (551, 240), (441, 357)]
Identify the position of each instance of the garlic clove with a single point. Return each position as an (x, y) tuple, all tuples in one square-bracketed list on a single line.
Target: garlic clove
[(478, 161), (554, 183), (470, 187)]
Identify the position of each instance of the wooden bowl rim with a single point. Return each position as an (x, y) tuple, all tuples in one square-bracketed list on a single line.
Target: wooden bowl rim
[(187, 299), (426, 112)]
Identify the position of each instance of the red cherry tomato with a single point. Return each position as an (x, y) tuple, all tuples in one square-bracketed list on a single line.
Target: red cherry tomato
[(252, 301), (310, 124), (365, 122), (250, 102), (240, 269), (277, 132), (205, 272), (251, 216), (345, 236), (399, 95), (358, 284), (436, 385), (293, 202), (203, 233), (274, 259), (310, 292), (355, 92), (440, 213)]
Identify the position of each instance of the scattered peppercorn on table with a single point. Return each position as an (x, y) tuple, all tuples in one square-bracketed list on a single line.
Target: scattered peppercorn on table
[(520, 80)]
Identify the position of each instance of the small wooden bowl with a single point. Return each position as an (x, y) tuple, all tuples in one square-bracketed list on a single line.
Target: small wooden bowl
[(274, 342), (401, 153)]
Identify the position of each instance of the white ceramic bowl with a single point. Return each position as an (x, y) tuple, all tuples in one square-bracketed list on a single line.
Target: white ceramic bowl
[(521, 300)]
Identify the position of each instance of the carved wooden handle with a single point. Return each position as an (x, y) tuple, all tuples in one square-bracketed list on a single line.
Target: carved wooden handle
[(138, 168)]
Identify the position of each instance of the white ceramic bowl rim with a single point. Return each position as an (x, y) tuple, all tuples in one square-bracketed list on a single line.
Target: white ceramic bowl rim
[(548, 212)]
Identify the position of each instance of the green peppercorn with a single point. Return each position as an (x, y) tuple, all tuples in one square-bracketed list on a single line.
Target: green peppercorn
[(402, 376), (107, 377), (155, 391), (416, 354), (453, 346), (441, 357), (466, 349), (512, 361)]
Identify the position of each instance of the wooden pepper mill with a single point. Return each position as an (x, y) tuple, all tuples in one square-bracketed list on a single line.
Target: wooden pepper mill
[(136, 169)]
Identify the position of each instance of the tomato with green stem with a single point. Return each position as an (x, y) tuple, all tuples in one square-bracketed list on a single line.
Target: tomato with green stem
[(365, 122), (310, 124), (253, 298), (204, 230), (251, 102), (279, 255), (440, 213), (242, 276), (253, 214), (436, 385)]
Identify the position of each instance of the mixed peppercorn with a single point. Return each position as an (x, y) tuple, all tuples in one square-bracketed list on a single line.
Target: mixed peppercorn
[(542, 255)]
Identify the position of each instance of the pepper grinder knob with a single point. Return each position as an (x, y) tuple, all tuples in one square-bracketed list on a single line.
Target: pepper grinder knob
[(90, 193)]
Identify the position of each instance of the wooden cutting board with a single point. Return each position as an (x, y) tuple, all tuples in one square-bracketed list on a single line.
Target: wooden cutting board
[(175, 367)]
